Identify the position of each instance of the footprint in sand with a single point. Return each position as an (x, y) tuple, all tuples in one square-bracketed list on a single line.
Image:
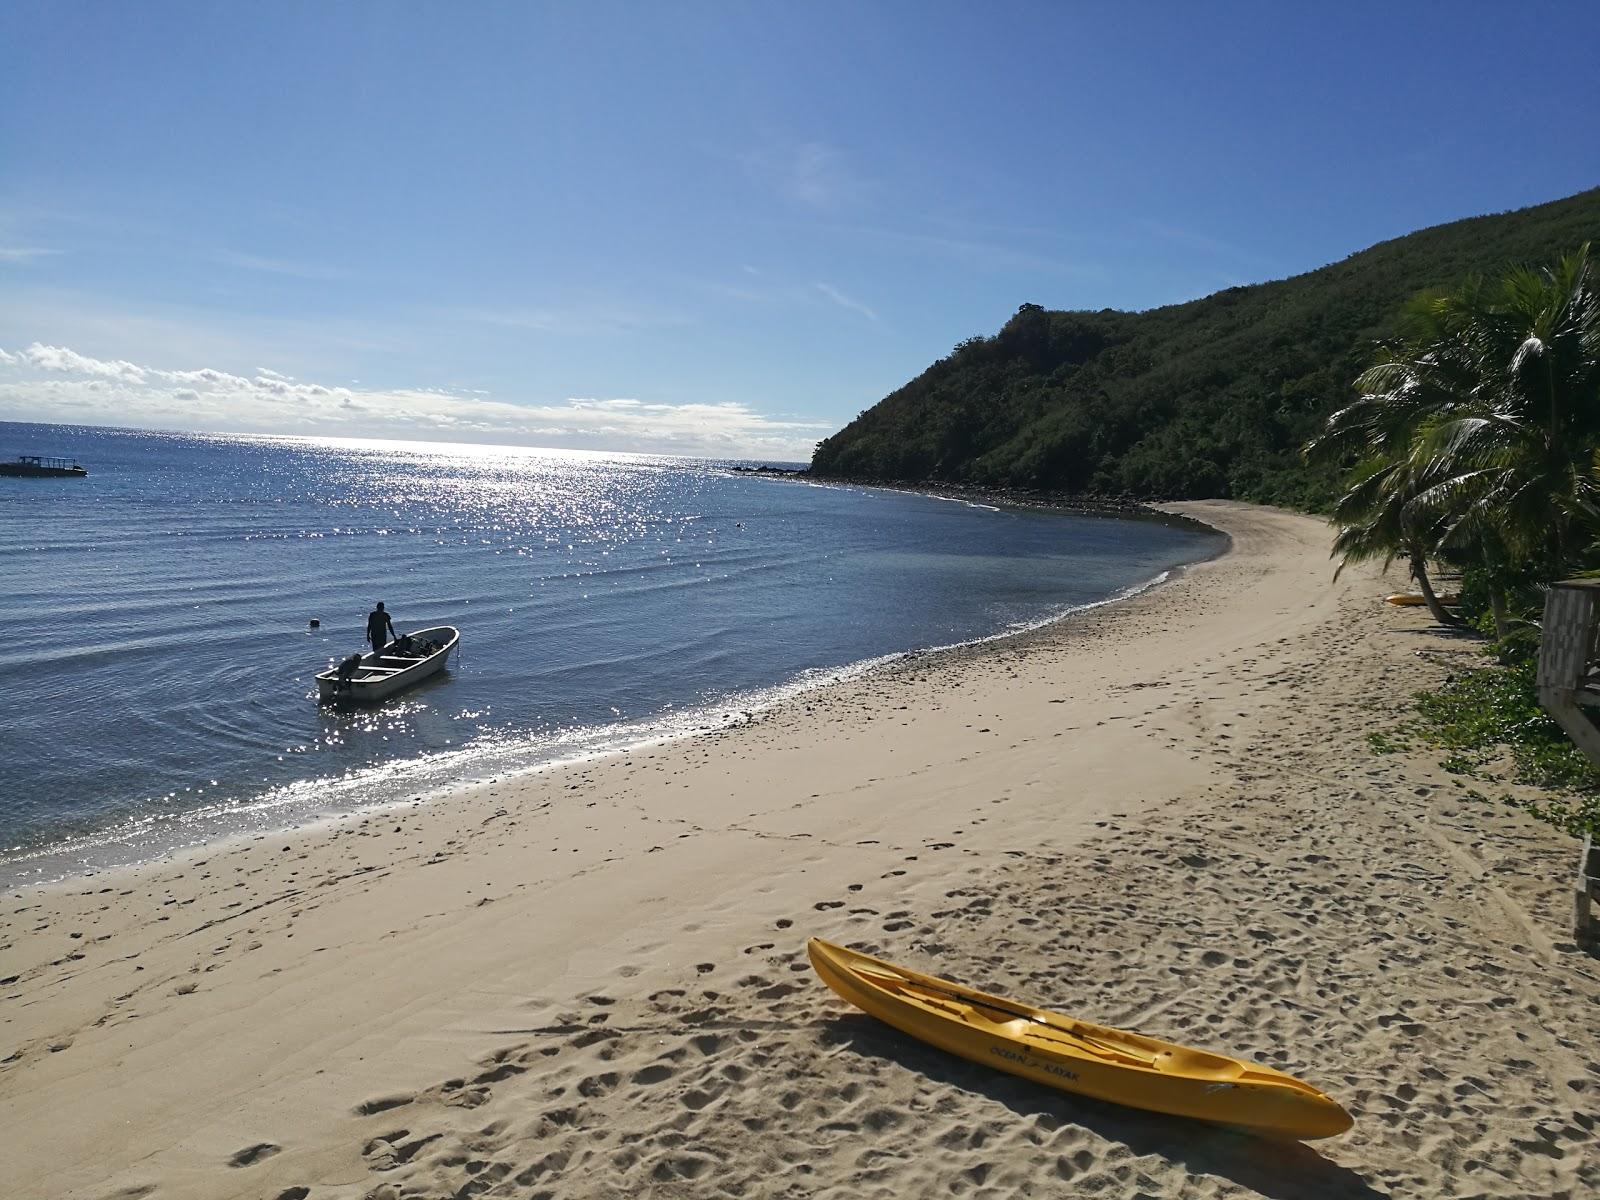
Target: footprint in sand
[(380, 1151), (404, 1153), (380, 1104), (696, 1098), (496, 1074), (253, 1154), (598, 1085), (708, 1043)]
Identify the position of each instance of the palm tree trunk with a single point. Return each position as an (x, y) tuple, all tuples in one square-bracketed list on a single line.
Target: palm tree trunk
[(1419, 572), (1497, 606)]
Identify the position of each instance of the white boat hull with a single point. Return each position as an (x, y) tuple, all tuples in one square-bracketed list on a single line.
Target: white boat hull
[(382, 673)]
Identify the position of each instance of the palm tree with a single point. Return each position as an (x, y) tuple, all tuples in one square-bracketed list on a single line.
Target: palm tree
[(1415, 378), (1478, 429), (1516, 450), (1377, 520)]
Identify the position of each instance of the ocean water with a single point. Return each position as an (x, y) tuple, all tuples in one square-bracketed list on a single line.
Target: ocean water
[(156, 663)]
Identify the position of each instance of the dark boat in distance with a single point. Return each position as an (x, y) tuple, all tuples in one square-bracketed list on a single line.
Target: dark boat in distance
[(37, 465)]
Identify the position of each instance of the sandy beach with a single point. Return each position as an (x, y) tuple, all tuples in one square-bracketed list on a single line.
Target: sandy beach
[(1161, 814)]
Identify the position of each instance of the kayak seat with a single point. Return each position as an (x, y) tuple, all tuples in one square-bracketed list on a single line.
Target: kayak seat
[(1189, 1061)]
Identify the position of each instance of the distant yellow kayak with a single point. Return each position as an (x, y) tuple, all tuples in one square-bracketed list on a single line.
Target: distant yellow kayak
[(1107, 1064), (1413, 599)]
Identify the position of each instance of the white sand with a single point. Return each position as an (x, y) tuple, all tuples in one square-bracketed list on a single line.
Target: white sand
[(1161, 815)]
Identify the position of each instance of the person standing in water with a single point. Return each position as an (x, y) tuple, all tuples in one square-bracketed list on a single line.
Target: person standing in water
[(380, 630)]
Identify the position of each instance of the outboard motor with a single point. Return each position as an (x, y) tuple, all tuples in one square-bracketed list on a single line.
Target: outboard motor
[(347, 669)]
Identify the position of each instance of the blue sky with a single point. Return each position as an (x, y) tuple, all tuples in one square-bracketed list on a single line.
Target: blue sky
[(701, 228)]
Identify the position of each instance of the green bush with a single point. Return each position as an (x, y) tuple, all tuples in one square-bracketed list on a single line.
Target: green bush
[(1486, 715)]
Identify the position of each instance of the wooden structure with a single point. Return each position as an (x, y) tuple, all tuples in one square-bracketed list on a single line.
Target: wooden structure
[(1569, 690)]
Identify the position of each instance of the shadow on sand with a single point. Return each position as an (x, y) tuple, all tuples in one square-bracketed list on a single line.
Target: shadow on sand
[(1451, 633), (1283, 1170)]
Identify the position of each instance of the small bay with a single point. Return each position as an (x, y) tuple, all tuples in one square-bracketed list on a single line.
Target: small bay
[(157, 663)]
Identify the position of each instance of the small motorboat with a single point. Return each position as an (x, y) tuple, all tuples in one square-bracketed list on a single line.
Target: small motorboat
[(404, 662), (36, 466)]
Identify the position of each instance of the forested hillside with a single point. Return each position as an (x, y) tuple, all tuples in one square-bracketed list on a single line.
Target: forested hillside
[(1211, 398)]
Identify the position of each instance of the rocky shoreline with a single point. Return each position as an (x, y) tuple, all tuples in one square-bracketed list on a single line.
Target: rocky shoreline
[(1010, 497)]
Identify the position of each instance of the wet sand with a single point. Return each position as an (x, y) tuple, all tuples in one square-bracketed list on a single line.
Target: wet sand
[(1162, 814)]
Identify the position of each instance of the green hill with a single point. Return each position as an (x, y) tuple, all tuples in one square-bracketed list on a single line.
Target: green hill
[(1209, 398)]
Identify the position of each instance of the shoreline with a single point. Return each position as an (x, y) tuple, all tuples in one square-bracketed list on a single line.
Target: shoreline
[(1074, 504), (591, 981), (75, 858)]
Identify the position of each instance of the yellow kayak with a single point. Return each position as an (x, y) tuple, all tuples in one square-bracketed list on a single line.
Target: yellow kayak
[(1107, 1064), (1413, 599)]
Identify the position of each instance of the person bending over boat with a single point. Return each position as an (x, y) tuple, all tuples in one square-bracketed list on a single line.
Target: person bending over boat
[(380, 629), (347, 673)]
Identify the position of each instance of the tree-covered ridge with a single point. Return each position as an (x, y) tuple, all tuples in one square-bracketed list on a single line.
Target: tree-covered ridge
[(1210, 398)]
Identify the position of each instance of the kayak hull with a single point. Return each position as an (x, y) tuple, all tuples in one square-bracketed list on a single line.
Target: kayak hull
[(1075, 1056)]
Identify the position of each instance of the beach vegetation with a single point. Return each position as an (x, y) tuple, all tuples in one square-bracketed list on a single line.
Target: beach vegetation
[(1387, 741), (1472, 444), (1474, 434), (1490, 721)]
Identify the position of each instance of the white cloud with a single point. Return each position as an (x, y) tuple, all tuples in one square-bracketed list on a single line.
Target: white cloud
[(814, 175), (843, 301), (53, 382), (278, 266), (59, 358), (18, 254)]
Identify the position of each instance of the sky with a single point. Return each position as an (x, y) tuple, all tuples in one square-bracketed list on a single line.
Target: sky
[(717, 229)]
